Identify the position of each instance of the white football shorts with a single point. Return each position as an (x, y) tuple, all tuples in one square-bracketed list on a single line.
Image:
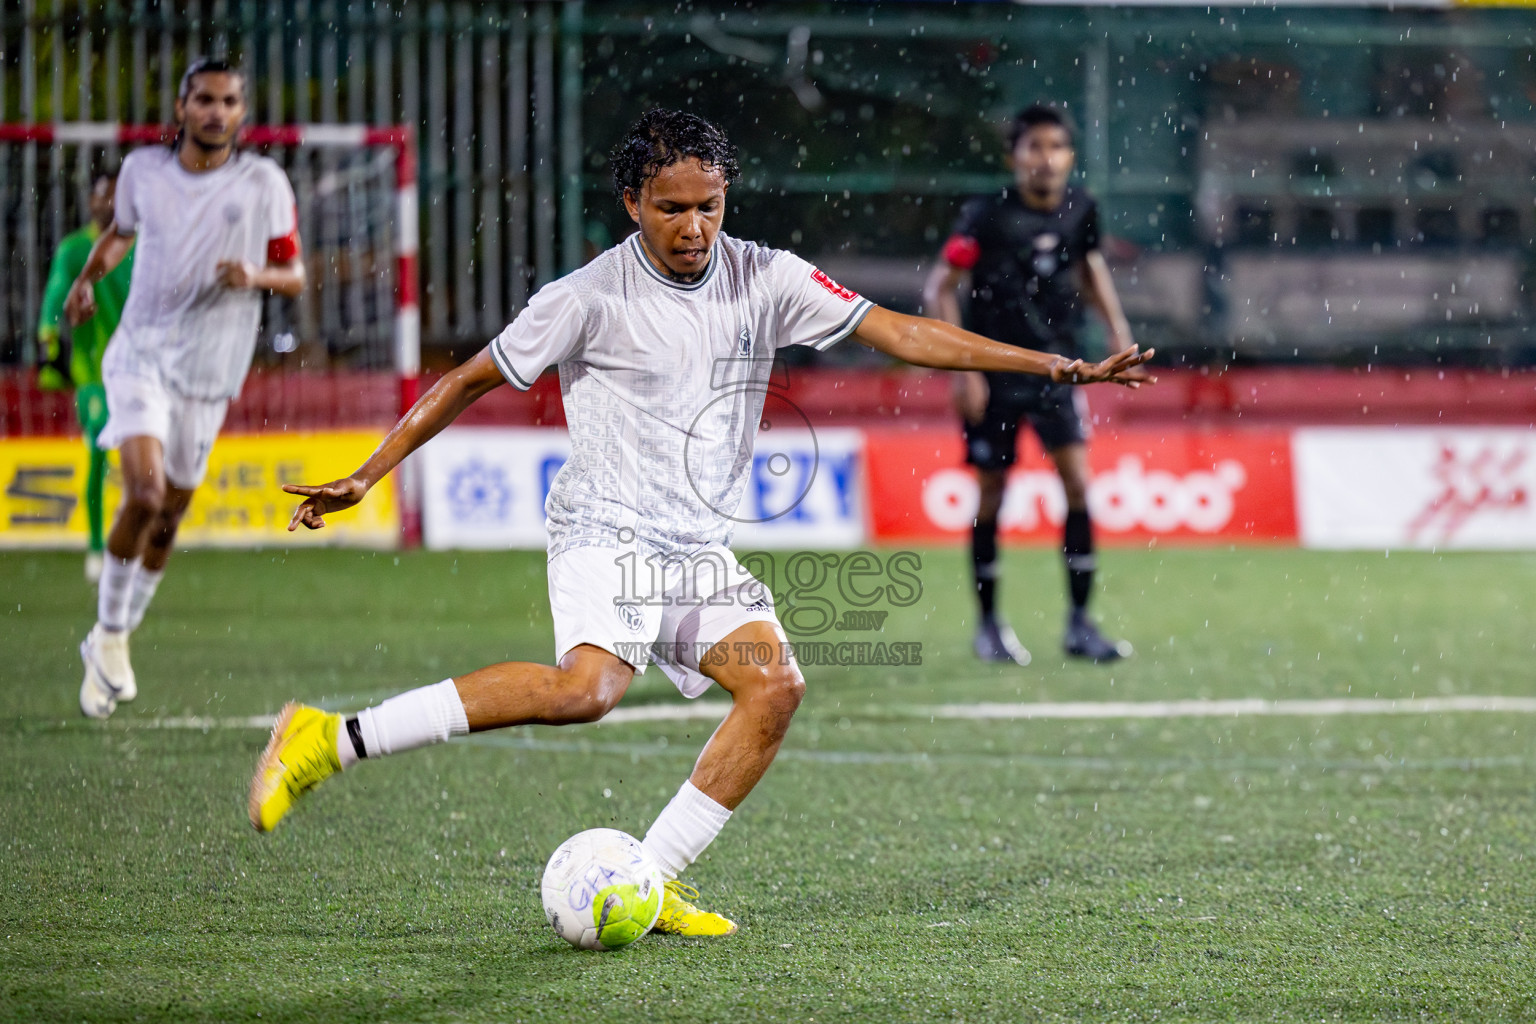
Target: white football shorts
[(671, 614), (141, 405)]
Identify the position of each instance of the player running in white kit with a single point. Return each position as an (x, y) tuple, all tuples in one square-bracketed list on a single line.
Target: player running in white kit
[(216, 229), (664, 344)]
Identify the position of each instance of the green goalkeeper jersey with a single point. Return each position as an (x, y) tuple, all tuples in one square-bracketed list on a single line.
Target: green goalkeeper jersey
[(89, 340)]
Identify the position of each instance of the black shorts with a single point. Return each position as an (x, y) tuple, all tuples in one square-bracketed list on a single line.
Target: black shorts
[(1056, 412)]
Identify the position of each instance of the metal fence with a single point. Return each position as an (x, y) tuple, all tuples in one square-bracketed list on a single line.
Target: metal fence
[(862, 126), (482, 82)]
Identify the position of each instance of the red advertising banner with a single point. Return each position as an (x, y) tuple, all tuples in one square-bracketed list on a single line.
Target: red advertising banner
[(1184, 485)]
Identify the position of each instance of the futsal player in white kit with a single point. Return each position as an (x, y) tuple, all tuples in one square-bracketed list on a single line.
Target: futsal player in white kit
[(639, 518), (216, 230)]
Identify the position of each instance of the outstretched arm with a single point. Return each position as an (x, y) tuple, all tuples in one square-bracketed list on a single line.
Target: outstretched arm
[(439, 407), (924, 342)]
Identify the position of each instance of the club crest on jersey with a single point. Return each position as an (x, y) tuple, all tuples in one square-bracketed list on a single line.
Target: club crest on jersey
[(744, 341), (1046, 261), (231, 213), (820, 277)]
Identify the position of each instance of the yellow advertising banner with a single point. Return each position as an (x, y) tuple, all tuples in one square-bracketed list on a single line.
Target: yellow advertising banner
[(240, 502)]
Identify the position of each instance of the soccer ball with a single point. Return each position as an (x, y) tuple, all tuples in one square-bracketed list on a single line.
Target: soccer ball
[(600, 890)]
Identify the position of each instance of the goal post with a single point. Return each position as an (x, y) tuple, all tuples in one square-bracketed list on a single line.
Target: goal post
[(356, 185)]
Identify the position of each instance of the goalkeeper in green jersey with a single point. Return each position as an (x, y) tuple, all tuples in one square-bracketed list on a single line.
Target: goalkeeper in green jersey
[(81, 369)]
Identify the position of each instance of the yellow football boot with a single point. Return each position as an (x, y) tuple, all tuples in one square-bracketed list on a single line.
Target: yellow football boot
[(300, 755), (680, 917)]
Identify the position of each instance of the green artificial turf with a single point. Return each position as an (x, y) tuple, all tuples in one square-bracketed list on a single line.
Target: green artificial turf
[(893, 865)]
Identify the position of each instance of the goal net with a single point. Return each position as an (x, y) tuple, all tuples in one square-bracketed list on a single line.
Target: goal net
[(355, 187)]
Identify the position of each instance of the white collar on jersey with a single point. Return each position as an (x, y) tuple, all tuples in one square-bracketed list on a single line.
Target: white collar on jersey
[(687, 286)]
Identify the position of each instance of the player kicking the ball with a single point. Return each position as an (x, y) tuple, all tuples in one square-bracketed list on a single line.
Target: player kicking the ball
[(215, 229), (661, 453)]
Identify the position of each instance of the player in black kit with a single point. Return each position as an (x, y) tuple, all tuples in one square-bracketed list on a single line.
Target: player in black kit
[(1030, 255)]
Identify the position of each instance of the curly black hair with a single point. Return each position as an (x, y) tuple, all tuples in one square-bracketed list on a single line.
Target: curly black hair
[(662, 137)]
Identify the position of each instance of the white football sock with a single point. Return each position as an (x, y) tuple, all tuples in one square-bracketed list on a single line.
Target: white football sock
[(415, 718), (346, 750), (142, 591), (113, 591), (683, 829)]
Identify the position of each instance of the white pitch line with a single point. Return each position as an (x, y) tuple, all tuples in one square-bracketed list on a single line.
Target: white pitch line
[(1065, 710), (205, 723), (1250, 706)]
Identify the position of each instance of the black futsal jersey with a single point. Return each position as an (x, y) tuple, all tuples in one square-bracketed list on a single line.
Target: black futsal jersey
[(1024, 267), (1025, 291)]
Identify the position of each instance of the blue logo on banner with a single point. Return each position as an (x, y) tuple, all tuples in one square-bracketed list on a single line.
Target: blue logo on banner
[(782, 481), (479, 493)]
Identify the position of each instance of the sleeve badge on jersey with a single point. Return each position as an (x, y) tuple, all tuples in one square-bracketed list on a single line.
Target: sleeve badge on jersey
[(820, 277)]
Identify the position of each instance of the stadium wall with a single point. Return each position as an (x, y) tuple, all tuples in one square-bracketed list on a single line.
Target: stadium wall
[(1235, 398)]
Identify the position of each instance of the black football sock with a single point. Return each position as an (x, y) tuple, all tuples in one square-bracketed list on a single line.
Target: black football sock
[(984, 565), (1077, 551)]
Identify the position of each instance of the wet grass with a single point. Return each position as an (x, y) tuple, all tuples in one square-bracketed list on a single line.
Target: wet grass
[(890, 866)]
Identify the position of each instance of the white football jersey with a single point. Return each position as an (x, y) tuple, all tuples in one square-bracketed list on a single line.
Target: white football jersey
[(179, 321), (664, 385)]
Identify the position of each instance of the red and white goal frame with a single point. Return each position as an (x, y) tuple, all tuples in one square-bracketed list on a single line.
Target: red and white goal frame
[(401, 139)]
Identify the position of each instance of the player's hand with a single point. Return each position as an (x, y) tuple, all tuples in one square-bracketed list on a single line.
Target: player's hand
[(80, 303), (970, 396), (1124, 367), (235, 274), (331, 497)]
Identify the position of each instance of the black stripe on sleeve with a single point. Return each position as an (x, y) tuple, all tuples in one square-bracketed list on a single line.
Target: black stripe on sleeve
[(847, 327), (505, 366)]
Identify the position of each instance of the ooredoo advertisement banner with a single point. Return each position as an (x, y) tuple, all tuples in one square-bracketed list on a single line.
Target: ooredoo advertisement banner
[(1184, 485), (1416, 487)]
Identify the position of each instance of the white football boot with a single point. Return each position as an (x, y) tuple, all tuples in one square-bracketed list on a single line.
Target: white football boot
[(96, 698), (108, 672)]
